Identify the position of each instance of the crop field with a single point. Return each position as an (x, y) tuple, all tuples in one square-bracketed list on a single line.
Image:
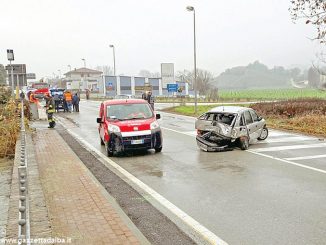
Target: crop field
[(271, 94)]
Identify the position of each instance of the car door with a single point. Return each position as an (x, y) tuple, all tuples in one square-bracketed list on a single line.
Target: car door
[(251, 127), (102, 125), (257, 124)]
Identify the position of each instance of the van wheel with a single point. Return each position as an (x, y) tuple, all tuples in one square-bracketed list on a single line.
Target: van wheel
[(109, 151), (244, 143), (264, 134), (158, 149)]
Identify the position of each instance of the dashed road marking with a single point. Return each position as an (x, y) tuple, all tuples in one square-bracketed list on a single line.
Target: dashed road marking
[(305, 157), (289, 147)]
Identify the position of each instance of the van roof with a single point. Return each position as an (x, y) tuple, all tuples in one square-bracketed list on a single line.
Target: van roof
[(124, 101)]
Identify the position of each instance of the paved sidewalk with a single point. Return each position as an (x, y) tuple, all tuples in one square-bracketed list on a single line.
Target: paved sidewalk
[(5, 181), (79, 208)]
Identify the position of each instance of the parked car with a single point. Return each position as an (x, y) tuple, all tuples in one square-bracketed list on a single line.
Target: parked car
[(225, 126), (128, 125)]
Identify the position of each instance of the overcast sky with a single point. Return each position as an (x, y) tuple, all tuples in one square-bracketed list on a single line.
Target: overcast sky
[(48, 35)]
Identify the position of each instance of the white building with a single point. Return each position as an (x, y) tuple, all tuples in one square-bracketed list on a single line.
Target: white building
[(82, 79)]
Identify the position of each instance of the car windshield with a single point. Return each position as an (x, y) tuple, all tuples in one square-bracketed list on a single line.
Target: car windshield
[(128, 111)]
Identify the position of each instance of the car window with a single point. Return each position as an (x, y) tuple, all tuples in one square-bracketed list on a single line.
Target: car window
[(242, 121), (210, 117), (129, 111), (254, 116), (202, 117), (248, 117)]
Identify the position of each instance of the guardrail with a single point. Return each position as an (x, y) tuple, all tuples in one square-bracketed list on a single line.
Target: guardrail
[(23, 222)]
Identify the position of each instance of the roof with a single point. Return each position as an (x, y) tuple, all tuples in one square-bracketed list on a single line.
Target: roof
[(83, 70), (124, 101), (230, 109)]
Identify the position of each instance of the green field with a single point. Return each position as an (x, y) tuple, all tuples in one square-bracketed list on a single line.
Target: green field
[(255, 95), (271, 94)]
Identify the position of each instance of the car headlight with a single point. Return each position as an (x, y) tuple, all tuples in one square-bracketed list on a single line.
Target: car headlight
[(113, 128), (155, 125)]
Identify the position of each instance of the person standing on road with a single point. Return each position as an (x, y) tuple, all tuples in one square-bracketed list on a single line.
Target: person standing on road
[(68, 98), (87, 94), (50, 110), (75, 102), (56, 101)]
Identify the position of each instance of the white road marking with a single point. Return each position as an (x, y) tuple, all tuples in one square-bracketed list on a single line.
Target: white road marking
[(289, 162), (197, 231), (305, 157), (285, 139), (271, 157), (289, 147)]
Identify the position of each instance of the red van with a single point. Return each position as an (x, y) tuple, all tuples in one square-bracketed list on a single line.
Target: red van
[(128, 124)]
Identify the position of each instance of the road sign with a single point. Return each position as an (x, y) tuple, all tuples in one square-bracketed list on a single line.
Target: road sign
[(10, 54), (30, 76), (143, 88), (172, 87)]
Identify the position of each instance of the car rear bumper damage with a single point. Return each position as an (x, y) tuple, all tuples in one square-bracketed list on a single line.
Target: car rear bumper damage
[(209, 146)]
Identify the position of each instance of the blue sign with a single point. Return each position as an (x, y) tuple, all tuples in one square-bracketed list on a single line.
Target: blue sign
[(172, 87), (110, 84)]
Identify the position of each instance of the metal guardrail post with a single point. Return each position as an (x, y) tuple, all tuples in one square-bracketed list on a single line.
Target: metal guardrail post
[(23, 222)]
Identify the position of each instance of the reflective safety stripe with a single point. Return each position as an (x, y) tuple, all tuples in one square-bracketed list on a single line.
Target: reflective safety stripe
[(51, 110)]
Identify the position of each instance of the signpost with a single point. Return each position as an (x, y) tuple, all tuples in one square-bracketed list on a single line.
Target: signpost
[(10, 56), (30, 76), (172, 87)]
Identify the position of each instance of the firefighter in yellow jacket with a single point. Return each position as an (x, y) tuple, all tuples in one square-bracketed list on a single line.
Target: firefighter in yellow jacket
[(51, 120)]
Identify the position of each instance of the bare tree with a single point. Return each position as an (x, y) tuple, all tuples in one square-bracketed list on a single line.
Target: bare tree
[(204, 79), (313, 12), (146, 73), (107, 70)]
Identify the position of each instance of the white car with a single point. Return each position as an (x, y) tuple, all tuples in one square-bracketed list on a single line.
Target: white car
[(225, 126)]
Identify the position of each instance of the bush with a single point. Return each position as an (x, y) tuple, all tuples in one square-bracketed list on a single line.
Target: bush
[(9, 124)]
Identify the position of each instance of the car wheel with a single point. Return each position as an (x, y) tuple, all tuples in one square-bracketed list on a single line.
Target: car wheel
[(158, 149), (101, 141), (244, 143), (264, 134), (109, 151)]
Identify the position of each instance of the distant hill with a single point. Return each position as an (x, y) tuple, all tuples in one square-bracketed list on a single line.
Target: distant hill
[(257, 75)]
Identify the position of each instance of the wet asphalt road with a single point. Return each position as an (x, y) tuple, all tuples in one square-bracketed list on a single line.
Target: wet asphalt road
[(262, 196)]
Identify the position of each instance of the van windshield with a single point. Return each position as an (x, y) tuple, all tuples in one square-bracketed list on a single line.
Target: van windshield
[(128, 111)]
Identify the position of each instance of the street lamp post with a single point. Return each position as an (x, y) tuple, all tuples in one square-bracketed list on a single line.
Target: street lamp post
[(192, 9), (112, 46), (59, 73), (84, 62), (69, 66)]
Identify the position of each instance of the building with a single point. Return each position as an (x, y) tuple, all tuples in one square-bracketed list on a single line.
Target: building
[(82, 79)]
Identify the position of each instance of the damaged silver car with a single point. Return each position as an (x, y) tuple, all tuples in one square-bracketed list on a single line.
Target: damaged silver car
[(225, 127)]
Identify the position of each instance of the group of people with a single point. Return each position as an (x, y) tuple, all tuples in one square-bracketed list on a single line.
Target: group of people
[(52, 104), (149, 98), (70, 102)]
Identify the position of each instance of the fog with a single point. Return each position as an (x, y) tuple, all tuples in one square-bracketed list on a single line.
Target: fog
[(49, 35)]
